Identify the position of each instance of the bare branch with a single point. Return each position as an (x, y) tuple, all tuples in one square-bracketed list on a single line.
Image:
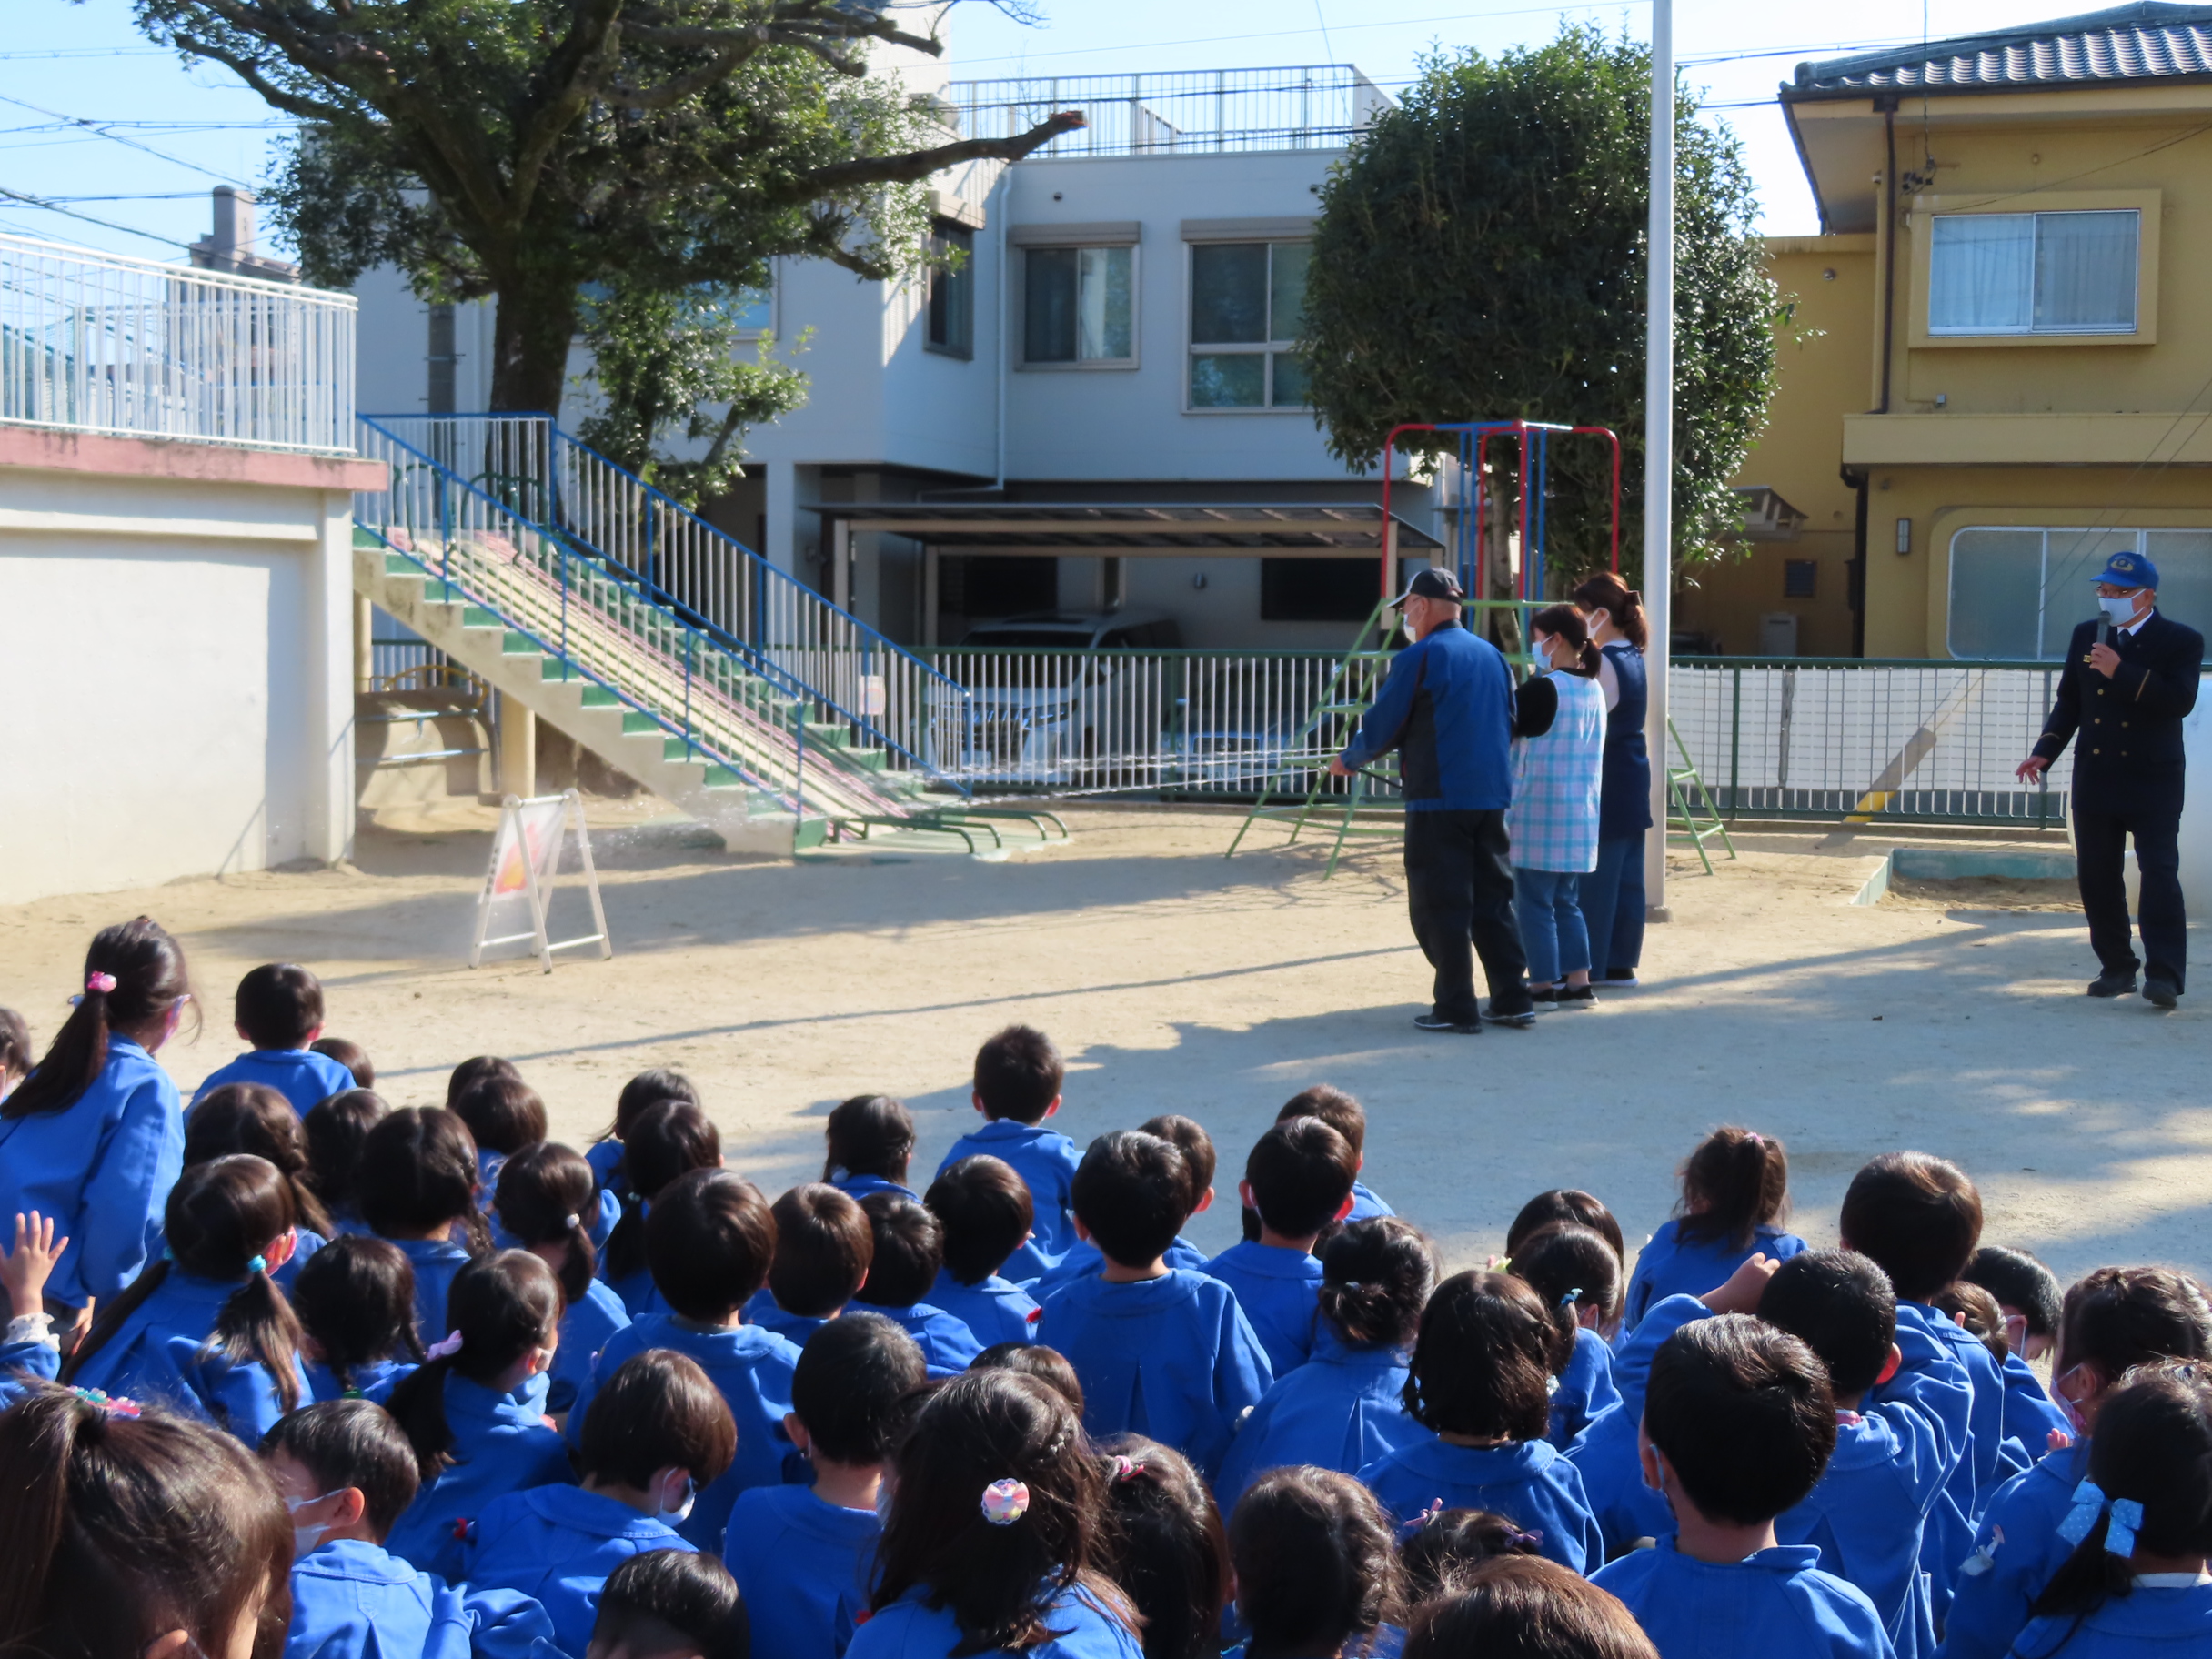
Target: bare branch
[(247, 70), (919, 164)]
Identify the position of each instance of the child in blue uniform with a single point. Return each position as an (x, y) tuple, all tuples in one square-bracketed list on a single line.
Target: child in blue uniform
[(418, 1187), (1163, 1352), (871, 1142), (1316, 1570), (206, 1331), (347, 1473), (1479, 1383), (1493, 1606), (656, 1435), (1344, 1409), (993, 1537), (504, 1115), (475, 1413), (1736, 1190), (1297, 1179), (824, 1248), (1344, 1114), (254, 1119), (983, 1209), (647, 1089), (1739, 1422), (1017, 1079), (352, 1056), (93, 1137), (1577, 1273), (708, 1242), (279, 1010), (336, 1132), (670, 1139), (1083, 1258), (356, 1302), (544, 1195), (2028, 1298), (1173, 1559), (671, 1604), (908, 1255), (802, 1555)]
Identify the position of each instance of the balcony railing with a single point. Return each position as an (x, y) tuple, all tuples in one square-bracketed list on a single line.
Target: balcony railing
[(94, 342), (1310, 106)]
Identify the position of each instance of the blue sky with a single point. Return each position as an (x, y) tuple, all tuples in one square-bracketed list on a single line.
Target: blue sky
[(98, 121)]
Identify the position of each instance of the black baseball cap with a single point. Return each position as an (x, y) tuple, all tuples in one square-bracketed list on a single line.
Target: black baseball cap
[(1432, 582)]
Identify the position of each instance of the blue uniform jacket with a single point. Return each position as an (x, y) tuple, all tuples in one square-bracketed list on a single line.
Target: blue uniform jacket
[(557, 1545), (374, 1381), (1086, 1259), (102, 1168), (1527, 1481), (1447, 707), (640, 1295), (994, 1310), (23, 1363), (1339, 1411), (1171, 1357), (802, 1565), (1280, 1291), (858, 1187), (436, 1262), (1365, 1205), (501, 1444), (1867, 1514), (751, 1368), (947, 1346), (301, 1075), (2031, 1416), (160, 1353), (584, 1331), (351, 1600), (1668, 1266), (2150, 1621), (910, 1629), (1046, 1161), (2016, 1551), (1774, 1602), (1586, 1389), (1934, 1377), (1605, 1453), (309, 1242), (764, 1311), (604, 1157)]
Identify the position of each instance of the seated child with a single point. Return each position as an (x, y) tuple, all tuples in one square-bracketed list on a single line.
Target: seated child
[(1514, 1607), (871, 1142), (1173, 1559), (670, 1139), (356, 1302), (1736, 1190), (1084, 1260), (1440, 1549), (1158, 1349), (347, 1473), (1739, 1422), (504, 1115), (473, 1070), (279, 1010), (417, 1183), (983, 1211), (993, 1541), (1344, 1409), (1018, 1078), (1048, 1365), (30, 1353), (1564, 1204), (349, 1054), (2027, 1296), (1315, 1571), (908, 1253), (1298, 1180), (800, 1555), (545, 1193), (1346, 1115), (1479, 1383), (824, 1247), (670, 1604), (647, 1089), (708, 1242), (206, 1331), (475, 1411), (336, 1132), (254, 1118), (655, 1434), (1577, 1273)]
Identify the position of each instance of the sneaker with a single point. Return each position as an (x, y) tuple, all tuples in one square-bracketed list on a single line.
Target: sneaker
[(1548, 998), (1521, 1020), (1576, 996), (2113, 985), (1621, 979), (2159, 993), (1437, 1022)]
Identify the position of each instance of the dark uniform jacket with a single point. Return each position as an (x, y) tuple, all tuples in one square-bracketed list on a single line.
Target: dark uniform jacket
[(2128, 757), (1447, 707)]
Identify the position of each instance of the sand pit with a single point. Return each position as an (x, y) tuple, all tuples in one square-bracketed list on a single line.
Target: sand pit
[(1176, 981)]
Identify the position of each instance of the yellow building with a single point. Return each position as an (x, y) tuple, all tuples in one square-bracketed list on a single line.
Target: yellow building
[(1999, 368)]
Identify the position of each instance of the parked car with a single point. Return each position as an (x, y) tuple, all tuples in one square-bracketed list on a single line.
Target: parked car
[(1060, 698)]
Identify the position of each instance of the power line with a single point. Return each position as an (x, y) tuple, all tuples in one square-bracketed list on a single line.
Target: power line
[(46, 207), (98, 130)]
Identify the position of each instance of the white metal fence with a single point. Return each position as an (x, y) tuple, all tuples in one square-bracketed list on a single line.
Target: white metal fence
[(1306, 106), (97, 342)]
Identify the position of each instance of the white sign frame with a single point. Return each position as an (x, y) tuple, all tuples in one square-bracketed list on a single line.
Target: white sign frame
[(530, 836)]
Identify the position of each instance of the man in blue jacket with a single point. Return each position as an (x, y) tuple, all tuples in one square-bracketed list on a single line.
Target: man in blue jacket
[(1447, 709)]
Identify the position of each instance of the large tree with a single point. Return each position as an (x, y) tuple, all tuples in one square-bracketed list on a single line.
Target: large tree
[(530, 150), (1481, 256)]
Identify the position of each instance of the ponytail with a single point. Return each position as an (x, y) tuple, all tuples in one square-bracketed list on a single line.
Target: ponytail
[(1608, 593), (417, 1175), (501, 1306), (1736, 1182), (544, 1196), (134, 974), (1376, 1277)]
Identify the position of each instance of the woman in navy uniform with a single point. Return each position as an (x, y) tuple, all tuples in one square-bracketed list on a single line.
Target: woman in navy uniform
[(2129, 680)]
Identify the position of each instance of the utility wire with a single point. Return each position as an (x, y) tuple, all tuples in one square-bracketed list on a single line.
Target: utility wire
[(44, 205), (98, 130)]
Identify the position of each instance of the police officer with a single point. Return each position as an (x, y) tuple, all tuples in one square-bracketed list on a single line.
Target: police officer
[(1447, 707), (2126, 693)]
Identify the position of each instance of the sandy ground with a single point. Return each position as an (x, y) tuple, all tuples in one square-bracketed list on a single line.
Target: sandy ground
[(1175, 980)]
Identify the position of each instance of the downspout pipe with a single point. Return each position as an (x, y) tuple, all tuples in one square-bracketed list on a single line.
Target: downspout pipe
[(1889, 245)]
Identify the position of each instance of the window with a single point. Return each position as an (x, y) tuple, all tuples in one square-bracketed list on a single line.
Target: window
[(1246, 300), (951, 309), (2017, 593), (1800, 579), (1317, 589), (1079, 304), (2034, 273)]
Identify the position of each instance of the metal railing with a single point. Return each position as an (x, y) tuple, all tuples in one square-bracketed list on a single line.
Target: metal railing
[(94, 342), (1308, 106)]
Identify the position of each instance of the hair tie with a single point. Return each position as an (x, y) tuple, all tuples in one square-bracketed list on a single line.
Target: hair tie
[(2120, 1537), (1755, 1138), (113, 1405), (258, 1264), (101, 983), (1005, 1503), (167, 1254), (1126, 1469), (1531, 1542), (574, 1222), (1572, 1297), (2089, 1504), (445, 1349)]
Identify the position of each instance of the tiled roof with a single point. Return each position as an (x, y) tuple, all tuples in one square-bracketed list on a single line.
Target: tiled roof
[(2142, 42)]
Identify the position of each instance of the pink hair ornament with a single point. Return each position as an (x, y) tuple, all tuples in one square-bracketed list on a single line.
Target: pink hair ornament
[(444, 1350), (1005, 1503), (101, 983)]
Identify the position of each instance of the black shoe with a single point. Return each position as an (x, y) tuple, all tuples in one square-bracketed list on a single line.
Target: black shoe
[(1437, 1022), (1521, 1019), (2113, 985), (1547, 998), (1577, 996), (1621, 979), (2159, 993)]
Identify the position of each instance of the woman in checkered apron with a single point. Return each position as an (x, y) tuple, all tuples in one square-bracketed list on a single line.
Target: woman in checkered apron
[(1559, 744)]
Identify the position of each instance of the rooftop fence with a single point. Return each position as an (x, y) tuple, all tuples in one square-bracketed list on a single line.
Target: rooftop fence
[(1308, 106)]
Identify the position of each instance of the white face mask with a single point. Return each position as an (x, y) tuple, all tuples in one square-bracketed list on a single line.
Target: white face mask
[(2121, 609), (683, 1511), (306, 1539)]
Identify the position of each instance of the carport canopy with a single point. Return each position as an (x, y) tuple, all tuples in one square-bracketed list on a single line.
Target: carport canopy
[(1119, 529)]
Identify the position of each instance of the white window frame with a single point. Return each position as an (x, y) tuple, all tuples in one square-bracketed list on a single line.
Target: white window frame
[(1269, 349), (2043, 571), (1985, 330), (1030, 244)]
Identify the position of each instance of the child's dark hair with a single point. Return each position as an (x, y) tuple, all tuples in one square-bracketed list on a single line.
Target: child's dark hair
[(1736, 1182), (503, 1305), (279, 1005), (1566, 622), (1173, 1553), (1744, 1415), (119, 1528), (16, 1056), (1566, 1204), (2117, 1318), (998, 1582), (1133, 1195), (1482, 1362), (418, 1174), (220, 1218), (1314, 1562), (824, 1248), (1607, 592), (1976, 1311), (985, 1210), (503, 1114), (355, 1443), (709, 1242), (1047, 1365), (852, 1387), (1571, 1268), (869, 1134), (349, 1054), (908, 1247), (544, 1193), (1376, 1276), (2021, 1283), (1301, 1173), (254, 1118), (648, 1088), (670, 1138), (658, 1411), (355, 1298), (1017, 1074), (1333, 1106), (1917, 1217), (1525, 1607), (1442, 1545), (148, 969), (1189, 1137), (475, 1070), (1839, 1304), (336, 1131), (669, 1602)]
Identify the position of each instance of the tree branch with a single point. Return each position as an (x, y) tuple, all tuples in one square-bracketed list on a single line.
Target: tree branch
[(919, 164), (568, 82), (247, 70), (673, 91)]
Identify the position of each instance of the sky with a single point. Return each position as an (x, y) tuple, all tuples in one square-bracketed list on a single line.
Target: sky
[(123, 142)]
